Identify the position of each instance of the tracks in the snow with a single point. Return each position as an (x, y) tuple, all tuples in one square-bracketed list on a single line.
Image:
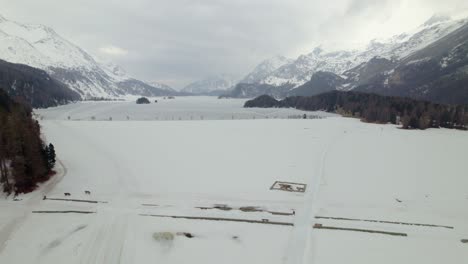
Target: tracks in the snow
[(264, 221), (107, 240), (7, 231), (383, 222), (63, 212), (75, 200)]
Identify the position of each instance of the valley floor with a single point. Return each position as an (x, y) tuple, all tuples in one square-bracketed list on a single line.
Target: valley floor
[(208, 183)]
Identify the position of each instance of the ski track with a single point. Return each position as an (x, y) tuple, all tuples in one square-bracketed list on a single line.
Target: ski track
[(106, 242), (30, 204), (300, 240), (118, 171)]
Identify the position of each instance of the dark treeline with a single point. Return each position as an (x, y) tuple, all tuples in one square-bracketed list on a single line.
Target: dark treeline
[(24, 158), (33, 86), (410, 113)]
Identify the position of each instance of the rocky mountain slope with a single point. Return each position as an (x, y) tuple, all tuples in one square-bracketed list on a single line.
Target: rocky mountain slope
[(41, 47), (348, 70), (438, 72)]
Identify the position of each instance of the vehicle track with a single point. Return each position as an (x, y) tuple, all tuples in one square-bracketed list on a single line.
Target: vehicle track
[(300, 239), (107, 239)]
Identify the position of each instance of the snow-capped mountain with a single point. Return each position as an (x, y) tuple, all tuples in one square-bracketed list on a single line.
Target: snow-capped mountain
[(436, 72), (211, 85), (41, 47), (265, 68), (398, 47)]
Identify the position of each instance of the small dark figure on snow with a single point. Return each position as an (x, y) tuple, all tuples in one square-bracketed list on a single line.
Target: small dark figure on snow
[(88, 192), (67, 194)]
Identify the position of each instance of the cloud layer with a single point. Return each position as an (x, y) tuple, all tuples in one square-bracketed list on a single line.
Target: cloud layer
[(183, 40), (113, 51)]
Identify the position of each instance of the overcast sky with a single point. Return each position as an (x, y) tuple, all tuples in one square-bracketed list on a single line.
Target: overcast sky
[(179, 41)]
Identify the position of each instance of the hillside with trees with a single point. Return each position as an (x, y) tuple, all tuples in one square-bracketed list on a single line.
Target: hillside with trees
[(25, 160), (373, 108), (33, 86)]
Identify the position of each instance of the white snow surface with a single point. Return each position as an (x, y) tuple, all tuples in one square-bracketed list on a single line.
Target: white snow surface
[(180, 108), (171, 168), (46, 44)]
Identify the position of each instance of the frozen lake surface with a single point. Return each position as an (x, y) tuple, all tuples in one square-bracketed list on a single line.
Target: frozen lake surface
[(180, 108), (207, 184)]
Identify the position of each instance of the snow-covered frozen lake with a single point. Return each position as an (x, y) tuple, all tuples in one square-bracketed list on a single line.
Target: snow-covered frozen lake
[(180, 108), (214, 176)]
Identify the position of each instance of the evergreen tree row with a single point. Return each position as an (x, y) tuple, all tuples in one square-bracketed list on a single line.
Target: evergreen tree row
[(24, 158), (373, 108)]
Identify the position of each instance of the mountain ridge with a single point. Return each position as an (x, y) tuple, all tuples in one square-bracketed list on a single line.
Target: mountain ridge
[(369, 70)]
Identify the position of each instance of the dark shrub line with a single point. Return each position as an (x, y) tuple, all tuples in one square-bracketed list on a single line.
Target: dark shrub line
[(373, 108)]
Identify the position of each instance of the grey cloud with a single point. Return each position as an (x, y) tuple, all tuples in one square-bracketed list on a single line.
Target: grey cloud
[(184, 40)]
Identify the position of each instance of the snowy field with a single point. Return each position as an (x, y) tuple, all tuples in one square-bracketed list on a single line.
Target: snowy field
[(206, 185)]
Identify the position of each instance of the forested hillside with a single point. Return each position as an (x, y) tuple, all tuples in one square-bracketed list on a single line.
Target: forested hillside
[(376, 109), (33, 86), (25, 160)]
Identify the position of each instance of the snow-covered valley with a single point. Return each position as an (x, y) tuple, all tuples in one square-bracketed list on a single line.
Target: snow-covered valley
[(211, 175)]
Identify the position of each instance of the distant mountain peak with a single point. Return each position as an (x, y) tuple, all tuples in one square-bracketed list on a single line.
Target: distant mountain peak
[(265, 68), (437, 18), (160, 85), (220, 82), (318, 50)]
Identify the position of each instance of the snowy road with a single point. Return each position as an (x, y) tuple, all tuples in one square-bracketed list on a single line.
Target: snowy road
[(204, 171)]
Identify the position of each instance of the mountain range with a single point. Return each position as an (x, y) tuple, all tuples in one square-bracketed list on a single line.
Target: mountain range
[(428, 63), (213, 85), (41, 47)]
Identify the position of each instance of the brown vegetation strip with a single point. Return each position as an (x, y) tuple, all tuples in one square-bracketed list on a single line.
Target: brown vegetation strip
[(360, 230), (246, 209), (222, 219), (383, 222), (63, 212), (74, 200), (279, 213)]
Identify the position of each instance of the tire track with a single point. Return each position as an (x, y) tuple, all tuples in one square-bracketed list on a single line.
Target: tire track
[(299, 241), (107, 240)]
